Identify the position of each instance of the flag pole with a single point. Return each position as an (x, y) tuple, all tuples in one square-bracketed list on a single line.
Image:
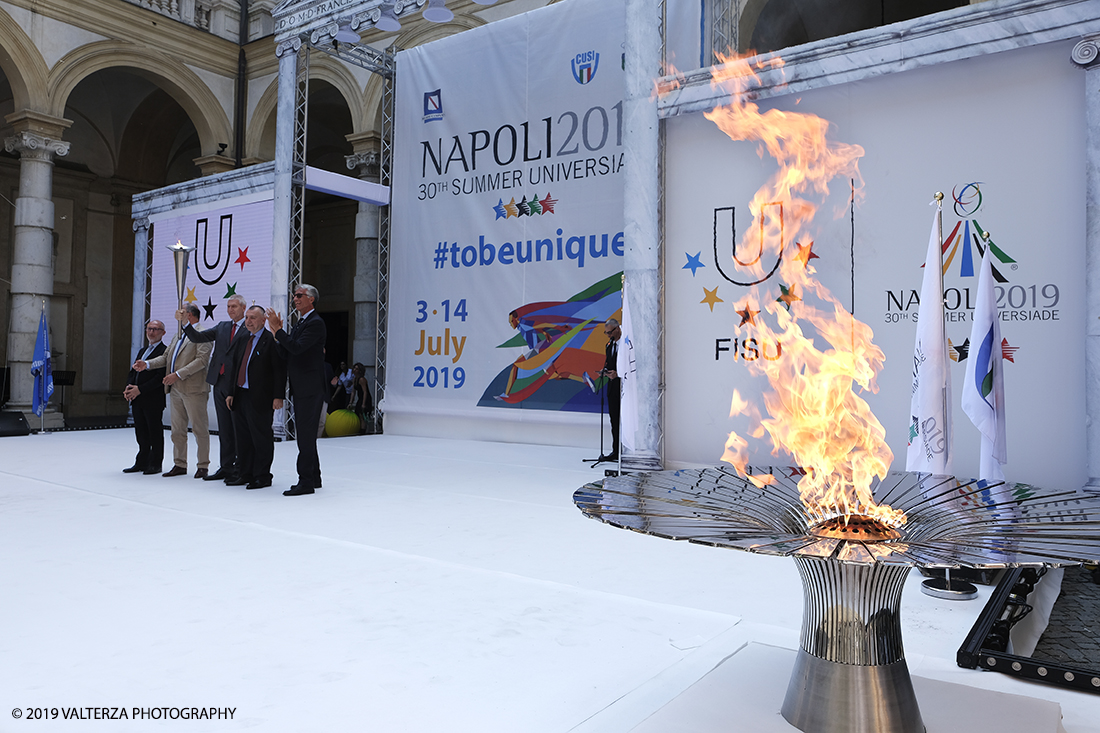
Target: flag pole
[(42, 417), (947, 429)]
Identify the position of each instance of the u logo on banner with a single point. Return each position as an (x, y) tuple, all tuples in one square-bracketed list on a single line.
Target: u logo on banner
[(203, 264), (749, 258)]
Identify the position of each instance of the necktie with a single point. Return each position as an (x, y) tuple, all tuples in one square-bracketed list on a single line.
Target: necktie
[(175, 354), (232, 333), (242, 373)]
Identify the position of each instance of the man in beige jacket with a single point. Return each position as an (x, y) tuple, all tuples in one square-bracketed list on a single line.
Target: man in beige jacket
[(186, 364)]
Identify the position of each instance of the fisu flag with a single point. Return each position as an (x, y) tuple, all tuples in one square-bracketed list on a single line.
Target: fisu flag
[(983, 395), (929, 448), (507, 218)]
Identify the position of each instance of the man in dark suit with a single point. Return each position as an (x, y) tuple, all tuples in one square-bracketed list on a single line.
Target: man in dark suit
[(260, 376), (304, 348), (220, 375), (614, 385), (145, 393)]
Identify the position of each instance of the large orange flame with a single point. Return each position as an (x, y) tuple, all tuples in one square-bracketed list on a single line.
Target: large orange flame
[(814, 412)]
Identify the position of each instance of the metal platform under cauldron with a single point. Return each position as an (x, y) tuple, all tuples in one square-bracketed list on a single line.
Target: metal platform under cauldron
[(850, 675)]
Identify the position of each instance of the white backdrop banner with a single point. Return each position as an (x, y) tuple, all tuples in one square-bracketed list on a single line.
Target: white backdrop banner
[(507, 244), (1002, 136), (232, 256)]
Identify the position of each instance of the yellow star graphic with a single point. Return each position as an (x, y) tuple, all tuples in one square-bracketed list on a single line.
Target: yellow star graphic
[(710, 297), (191, 298)]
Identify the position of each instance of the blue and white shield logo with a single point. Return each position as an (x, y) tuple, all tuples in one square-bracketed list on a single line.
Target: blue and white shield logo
[(585, 65), (433, 105)]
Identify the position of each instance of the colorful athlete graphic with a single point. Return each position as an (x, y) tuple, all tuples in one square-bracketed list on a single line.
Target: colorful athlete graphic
[(563, 344)]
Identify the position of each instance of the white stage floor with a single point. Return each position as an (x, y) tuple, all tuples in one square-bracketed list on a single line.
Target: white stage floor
[(432, 585)]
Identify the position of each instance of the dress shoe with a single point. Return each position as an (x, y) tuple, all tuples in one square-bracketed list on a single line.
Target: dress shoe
[(151, 471), (201, 473), (176, 471), (237, 481), (298, 490), (610, 457), (259, 484), (218, 475), (133, 469)]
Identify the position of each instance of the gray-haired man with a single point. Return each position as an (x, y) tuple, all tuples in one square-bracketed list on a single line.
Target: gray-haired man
[(219, 374)]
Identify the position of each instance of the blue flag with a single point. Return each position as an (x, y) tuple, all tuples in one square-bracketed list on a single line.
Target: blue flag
[(41, 369)]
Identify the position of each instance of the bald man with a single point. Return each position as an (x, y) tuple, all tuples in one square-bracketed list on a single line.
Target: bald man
[(145, 393)]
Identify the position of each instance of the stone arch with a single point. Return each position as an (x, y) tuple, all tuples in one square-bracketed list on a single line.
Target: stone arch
[(184, 85), (746, 23), (259, 137), (23, 65), (325, 68), (428, 32)]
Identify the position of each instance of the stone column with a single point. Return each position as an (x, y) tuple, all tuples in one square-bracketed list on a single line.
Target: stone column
[(287, 52), (141, 269), (1085, 55), (37, 141), (365, 161), (641, 203)]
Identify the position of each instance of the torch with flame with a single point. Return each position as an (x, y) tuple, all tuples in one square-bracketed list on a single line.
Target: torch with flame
[(813, 410)]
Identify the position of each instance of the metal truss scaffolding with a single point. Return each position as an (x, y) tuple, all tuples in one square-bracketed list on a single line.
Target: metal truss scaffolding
[(723, 26), (382, 63)]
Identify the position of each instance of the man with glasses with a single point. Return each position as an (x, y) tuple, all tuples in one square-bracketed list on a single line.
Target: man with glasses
[(145, 393), (186, 363), (304, 348)]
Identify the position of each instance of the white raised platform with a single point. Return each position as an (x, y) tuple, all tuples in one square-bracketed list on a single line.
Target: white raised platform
[(745, 692), (431, 585)]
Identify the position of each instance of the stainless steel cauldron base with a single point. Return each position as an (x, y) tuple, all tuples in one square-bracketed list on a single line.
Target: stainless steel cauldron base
[(829, 697)]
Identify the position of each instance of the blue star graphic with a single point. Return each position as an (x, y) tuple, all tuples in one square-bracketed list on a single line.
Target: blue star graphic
[(693, 262), (499, 208)]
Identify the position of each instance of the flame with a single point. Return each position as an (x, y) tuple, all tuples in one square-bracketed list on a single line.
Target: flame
[(814, 412)]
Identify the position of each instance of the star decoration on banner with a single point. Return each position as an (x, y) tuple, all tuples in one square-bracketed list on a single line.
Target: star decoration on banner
[(511, 208), (191, 297), (209, 308), (960, 352), (1008, 352), (693, 263), (806, 253), (242, 257), (521, 207), (499, 209), (787, 297), (710, 297), (547, 204), (747, 316), (534, 206), (230, 290)]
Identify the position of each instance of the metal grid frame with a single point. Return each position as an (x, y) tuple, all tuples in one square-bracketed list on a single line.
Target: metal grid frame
[(298, 175), (984, 645), (297, 202), (384, 64), (663, 27), (724, 16), (385, 172)]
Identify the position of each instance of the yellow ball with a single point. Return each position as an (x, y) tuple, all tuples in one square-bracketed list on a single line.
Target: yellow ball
[(341, 423)]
